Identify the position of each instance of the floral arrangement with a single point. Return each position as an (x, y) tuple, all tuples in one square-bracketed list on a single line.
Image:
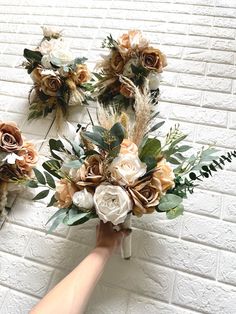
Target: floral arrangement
[(17, 159), (119, 168), (130, 56), (60, 79)]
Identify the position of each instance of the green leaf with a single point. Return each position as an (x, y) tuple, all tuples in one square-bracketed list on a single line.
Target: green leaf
[(179, 139), (151, 148), (52, 201), (32, 184), (59, 217), (183, 148), (169, 201), (75, 164), (39, 176), (50, 180), (175, 212), (55, 145), (156, 126), (192, 176), (41, 195), (32, 55), (75, 217), (118, 131), (174, 161), (52, 166), (151, 163), (96, 139)]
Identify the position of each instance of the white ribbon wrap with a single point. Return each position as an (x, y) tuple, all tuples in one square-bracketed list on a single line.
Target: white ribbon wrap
[(126, 246)]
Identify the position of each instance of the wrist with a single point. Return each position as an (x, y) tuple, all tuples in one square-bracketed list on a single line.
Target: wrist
[(103, 251)]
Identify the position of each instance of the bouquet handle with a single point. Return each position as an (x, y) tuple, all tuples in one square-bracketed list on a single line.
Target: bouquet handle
[(127, 241)]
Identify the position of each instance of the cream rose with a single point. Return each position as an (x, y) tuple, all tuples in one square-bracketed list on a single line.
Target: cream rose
[(47, 46), (112, 203), (127, 146), (154, 80), (127, 168), (61, 56), (83, 199), (51, 32), (45, 61)]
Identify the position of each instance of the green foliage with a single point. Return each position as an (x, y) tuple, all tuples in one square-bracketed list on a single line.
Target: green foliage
[(50, 180), (150, 148), (39, 176), (175, 212), (155, 127), (172, 205), (41, 195), (109, 42), (53, 167), (32, 56)]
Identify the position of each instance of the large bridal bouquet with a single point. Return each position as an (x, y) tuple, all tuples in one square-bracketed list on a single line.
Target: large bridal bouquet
[(121, 168), (17, 159), (60, 79), (131, 56)]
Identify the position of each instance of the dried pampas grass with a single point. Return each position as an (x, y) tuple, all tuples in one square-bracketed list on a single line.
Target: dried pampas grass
[(143, 109)]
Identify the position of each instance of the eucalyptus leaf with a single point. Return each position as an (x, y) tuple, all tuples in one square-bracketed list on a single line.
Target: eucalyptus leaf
[(32, 184), (52, 201), (52, 166), (73, 164), (50, 180), (169, 201), (75, 216), (175, 212), (156, 126)]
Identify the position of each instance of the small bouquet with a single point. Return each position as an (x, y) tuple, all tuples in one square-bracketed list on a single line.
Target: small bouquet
[(60, 79), (17, 159), (119, 168), (130, 56)]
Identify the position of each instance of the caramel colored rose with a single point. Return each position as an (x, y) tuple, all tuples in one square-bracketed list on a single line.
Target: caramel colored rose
[(80, 75), (153, 59), (165, 175), (50, 84), (117, 62), (126, 91), (10, 137), (64, 193), (145, 195), (30, 156), (91, 172), (127, 146), (36, 74)]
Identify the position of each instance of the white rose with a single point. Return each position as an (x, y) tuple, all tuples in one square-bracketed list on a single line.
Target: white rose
[(45, 61), (51, 31), (154, 80), (83, 199), (127, 168), (47, 46), (61, 56), (112, 203)]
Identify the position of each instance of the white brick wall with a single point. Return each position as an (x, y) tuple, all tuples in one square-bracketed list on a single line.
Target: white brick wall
[(183, 266)]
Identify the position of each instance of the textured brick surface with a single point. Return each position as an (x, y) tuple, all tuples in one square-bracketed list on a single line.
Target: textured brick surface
[(183, 266)]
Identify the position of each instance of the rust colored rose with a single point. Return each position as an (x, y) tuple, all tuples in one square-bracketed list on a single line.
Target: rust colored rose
[(80, 75), (50, 84), (145, 195), (64, 193), (30, 155), (36, 74), (91, 172), (10, 137), (165, 175), (117, 62), (153, 59), (126, 91)]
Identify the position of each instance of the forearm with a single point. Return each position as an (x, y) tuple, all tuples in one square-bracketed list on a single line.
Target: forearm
[(71, 295)]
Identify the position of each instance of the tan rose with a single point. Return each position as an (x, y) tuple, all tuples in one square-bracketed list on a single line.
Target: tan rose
[(131, 41), (126, 91), (153, 59), (127, 146), (80, 75), (165, 175), (145, 195), (10, 137), (64, 193), (117, 62), (50, 84), (91, 172), (30, 156), (36, 74)]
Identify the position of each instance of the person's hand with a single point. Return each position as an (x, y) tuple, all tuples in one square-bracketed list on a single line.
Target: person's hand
[(109, 238)]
